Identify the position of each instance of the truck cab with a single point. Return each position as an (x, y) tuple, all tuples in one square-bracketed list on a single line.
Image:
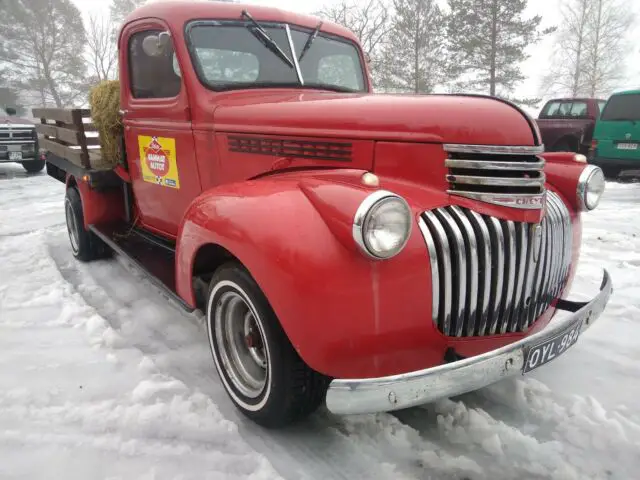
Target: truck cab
[(567, 124), (370, 252), (19, 142)]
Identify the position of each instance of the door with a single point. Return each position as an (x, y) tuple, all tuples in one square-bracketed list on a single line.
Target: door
[(158, 131)]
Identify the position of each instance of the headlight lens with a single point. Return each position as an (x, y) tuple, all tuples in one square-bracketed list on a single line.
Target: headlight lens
[(591, 185), (382, 225)]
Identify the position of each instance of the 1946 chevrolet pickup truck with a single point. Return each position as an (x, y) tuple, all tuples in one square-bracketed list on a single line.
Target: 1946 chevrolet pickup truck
[(371, 252)]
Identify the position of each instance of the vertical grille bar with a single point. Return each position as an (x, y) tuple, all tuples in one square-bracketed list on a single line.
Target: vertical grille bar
[(435, 271), (472, 268), (497, 272), (444, 258), (510, 276), (459, 262), (485, 279), (522, 233)]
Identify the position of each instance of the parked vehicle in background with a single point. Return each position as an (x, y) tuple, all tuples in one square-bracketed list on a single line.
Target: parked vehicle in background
[(19, 142), (373, 252), (615, 146), (567, 124)]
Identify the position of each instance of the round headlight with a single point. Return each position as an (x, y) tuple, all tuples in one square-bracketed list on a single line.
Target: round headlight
[(382, 225), (591, 186)]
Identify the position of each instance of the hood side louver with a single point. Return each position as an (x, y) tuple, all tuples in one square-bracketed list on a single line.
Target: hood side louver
[(286, 147)]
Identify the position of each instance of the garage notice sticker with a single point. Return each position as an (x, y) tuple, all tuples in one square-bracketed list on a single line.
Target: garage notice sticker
[(158, 161)]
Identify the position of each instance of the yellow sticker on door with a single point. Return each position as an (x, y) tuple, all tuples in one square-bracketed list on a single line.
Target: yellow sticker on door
[(158, 161)]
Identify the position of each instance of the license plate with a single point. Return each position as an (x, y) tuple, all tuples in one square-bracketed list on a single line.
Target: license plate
[(15, 155), (627, 146), (545, 352)]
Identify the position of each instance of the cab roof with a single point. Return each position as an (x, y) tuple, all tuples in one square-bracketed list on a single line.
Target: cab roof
[(176, 13)]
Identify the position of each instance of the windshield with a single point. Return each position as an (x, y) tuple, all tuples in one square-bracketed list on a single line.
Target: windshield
[(622, 107), (228, 55)]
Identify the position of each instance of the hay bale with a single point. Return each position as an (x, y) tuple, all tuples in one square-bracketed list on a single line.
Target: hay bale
[(104, 100)]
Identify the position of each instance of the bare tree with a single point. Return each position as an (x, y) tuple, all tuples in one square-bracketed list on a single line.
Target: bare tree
[(101, 48), (39, 45), (590, 48), (369, 20), (609, 25)]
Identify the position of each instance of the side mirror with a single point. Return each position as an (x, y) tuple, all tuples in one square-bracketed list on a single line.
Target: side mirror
[(155, 45), (10, 111)]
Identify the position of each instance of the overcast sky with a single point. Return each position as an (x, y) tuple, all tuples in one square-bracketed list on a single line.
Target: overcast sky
[(532, 69)]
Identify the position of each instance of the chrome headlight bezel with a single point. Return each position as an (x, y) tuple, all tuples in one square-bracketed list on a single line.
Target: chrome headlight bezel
[(369, 206), (590, 174)]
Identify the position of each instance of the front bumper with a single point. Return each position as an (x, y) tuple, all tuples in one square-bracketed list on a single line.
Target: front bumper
[(371, 395)]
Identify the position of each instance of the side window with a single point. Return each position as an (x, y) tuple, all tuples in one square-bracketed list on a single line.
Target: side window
[(601, 107), (552, 109), (578, 109), (338, 70), (152, 76)]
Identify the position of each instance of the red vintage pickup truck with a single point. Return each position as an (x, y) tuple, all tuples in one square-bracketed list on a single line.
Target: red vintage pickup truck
[(365, 251)]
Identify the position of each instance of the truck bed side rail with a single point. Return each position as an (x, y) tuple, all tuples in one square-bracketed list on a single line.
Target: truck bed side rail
[(65, 135)]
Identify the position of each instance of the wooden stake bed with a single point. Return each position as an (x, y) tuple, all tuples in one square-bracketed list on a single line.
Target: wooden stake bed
[(65, 135)]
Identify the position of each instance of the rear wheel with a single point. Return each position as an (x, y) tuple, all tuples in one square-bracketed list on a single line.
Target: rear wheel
[(262, 373), (34, 166), (85, 246)]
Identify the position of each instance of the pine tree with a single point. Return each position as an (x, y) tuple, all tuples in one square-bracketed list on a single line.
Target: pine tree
[(40, 42), (488, 39), (414, 61)]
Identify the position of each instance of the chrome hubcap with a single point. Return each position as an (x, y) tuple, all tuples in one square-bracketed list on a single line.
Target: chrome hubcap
[(72, 228), (241, 342)]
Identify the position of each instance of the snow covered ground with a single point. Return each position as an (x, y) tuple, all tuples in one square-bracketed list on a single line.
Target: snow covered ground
[(101, 378)]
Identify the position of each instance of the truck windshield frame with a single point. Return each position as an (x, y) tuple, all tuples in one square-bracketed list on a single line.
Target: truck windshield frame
[(209, 43)]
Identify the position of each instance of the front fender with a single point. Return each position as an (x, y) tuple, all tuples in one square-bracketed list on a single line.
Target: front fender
[(345, 314)]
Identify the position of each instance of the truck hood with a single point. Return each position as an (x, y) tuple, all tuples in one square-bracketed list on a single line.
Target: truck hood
[(409, 118)]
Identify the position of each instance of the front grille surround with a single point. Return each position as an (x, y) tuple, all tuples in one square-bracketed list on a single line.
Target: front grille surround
[(505, 175), (492, 276)]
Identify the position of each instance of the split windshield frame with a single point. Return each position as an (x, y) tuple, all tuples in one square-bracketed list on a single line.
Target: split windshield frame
[(287, 27)]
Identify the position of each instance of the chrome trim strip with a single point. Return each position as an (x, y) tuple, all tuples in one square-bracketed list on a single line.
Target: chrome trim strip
[(435, 273), (497, 181), (294, 54), (493, 165), (523, 236), (494, 149), (17, 142), (18, 126), (444, 251), (538, 255), (523, 201), (394, 392)]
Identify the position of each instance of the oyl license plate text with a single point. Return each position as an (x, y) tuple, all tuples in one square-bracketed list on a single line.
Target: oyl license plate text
[(547, 351)]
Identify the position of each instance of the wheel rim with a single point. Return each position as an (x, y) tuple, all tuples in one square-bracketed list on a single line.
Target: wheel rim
[(72, 228), (241, 344)]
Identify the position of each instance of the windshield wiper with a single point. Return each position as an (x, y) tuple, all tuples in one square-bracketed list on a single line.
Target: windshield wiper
[(309, 41), (330, 86), (266, 40)]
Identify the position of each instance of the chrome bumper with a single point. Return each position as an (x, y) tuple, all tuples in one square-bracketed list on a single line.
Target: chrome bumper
[(370, 395)]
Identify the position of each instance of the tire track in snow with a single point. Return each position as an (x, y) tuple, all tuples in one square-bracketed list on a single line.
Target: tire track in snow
[(176, 344)]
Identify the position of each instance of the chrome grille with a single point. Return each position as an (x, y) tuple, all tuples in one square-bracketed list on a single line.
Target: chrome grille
[(493, 276), (504, 175)]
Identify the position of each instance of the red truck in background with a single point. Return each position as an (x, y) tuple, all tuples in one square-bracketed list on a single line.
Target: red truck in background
[(367, 251), (567, 124)]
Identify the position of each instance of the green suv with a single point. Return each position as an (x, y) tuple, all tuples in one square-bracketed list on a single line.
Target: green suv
[(616, 138)]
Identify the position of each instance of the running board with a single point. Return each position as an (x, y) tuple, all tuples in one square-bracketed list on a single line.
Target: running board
[(151, 256)]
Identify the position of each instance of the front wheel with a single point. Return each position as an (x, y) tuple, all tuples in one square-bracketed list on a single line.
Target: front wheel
[(261, 372)]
